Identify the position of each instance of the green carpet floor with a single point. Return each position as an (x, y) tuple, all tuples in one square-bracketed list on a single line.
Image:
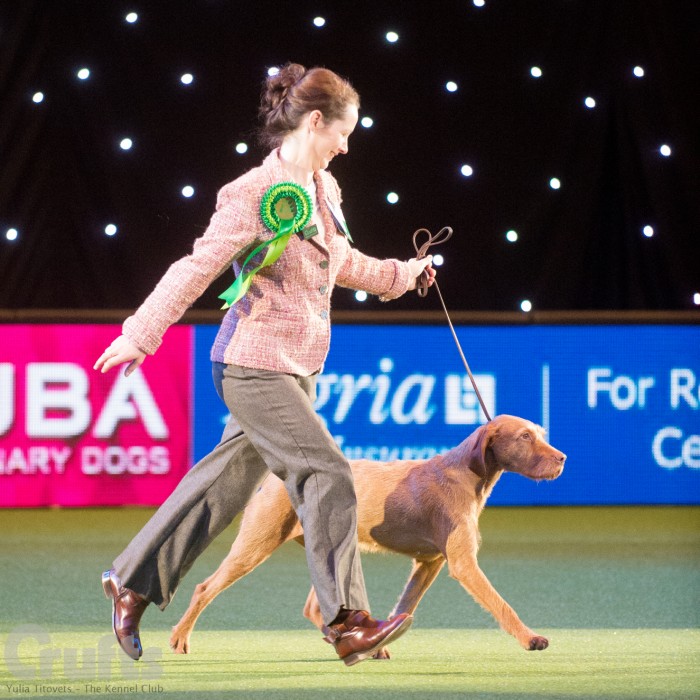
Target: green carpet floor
[(616, 591)]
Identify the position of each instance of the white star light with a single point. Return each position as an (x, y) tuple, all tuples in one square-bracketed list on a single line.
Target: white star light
[(696, 298), (367, 122)]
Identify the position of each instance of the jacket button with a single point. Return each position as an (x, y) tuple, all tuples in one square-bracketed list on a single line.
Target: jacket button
[(323, 264), (323, 288), (324, 314)]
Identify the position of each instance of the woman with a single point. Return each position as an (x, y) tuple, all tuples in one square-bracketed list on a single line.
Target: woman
[(284, 218)]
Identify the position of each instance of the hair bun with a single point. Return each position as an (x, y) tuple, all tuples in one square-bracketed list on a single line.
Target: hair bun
[(277, 86), (291, 73)]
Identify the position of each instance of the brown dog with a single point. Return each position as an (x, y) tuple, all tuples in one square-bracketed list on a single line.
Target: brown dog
[(426, 509)]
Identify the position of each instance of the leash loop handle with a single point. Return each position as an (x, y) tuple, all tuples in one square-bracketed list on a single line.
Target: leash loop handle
[(443, 235)]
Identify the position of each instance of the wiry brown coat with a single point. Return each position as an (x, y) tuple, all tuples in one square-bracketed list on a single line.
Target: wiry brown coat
[(426, 509)]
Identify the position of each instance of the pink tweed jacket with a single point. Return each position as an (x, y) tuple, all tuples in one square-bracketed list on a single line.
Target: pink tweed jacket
[(283, 322)]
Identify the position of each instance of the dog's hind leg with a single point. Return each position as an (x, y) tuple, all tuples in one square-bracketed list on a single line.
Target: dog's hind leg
[(312, 611), (268, 521), (312, 608)]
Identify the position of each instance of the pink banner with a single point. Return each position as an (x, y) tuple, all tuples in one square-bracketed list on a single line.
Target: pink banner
[(71, 436)]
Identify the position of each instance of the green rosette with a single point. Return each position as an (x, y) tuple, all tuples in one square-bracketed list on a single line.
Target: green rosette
[(285, 209), (283, 201)]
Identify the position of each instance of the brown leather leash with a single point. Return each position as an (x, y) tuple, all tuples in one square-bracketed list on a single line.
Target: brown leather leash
[(443, 235)]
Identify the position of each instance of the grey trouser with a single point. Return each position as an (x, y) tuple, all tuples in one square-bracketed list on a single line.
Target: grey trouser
[(273, 428)]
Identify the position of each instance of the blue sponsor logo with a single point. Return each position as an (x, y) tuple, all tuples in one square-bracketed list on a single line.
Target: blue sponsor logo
[(623, 402)]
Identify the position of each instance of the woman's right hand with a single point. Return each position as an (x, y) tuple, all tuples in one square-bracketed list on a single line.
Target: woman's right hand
[(121, 350)]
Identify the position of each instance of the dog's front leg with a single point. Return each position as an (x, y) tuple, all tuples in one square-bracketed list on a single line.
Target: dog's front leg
[(461, 548), (422, 576)]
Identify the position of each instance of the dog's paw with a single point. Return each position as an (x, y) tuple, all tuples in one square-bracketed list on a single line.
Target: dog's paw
[(179, 643), (382, 654), (538, 643)]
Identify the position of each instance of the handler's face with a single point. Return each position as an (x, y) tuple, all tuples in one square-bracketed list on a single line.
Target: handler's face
[(331, 139)]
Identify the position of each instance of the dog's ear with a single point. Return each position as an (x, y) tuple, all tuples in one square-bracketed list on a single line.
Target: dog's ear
[(477, 456)]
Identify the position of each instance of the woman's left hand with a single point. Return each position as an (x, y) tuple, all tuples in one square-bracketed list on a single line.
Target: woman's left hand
[(416, 267)]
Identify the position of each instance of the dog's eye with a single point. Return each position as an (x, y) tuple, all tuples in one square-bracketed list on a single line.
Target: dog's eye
[(526, 436)]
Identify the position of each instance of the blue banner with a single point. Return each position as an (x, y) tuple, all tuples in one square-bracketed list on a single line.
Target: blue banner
[(623, 402)]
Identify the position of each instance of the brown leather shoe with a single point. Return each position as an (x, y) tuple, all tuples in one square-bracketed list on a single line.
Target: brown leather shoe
[(127, 609), (359, 635)]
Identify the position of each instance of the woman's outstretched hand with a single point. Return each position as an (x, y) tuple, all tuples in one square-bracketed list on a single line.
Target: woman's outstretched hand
[(121, 350), (416, 267)]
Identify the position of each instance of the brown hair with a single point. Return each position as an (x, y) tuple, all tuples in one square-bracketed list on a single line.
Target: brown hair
[(296, 91)]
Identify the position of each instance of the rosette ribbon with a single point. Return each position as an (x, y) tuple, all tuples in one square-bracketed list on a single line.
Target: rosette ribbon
[(285, 209)]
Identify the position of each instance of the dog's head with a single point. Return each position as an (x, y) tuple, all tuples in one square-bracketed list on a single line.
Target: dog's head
[(515, 445)]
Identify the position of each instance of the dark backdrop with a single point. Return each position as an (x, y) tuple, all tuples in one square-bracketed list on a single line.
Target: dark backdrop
[(63, 176)]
